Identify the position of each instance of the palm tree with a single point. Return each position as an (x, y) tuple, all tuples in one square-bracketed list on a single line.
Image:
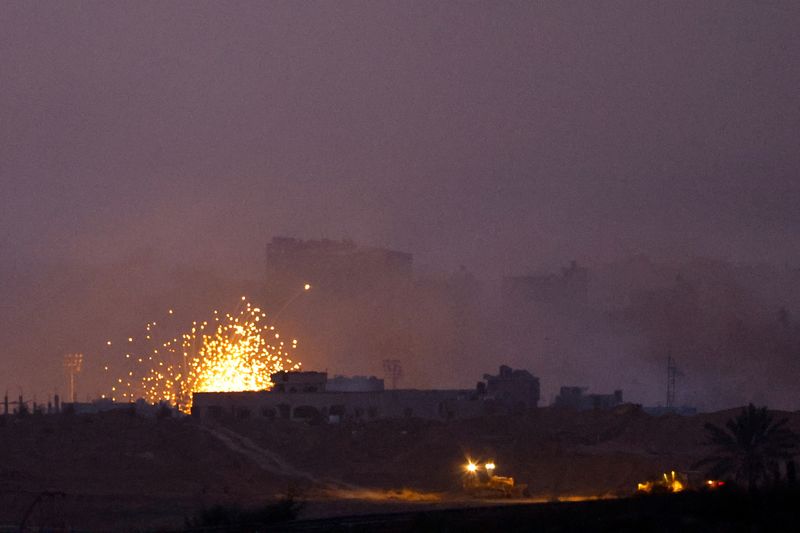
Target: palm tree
[(752, 447)]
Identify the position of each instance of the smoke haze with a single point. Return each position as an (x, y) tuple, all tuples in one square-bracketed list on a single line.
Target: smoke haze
[(149, 151)]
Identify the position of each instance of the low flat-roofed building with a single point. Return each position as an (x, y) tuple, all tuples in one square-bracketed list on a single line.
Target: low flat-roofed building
[(575, 398), (337, 406), (306, 396)]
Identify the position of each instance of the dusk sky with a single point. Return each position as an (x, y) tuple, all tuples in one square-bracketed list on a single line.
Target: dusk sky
[(501, 136), (507, 137)]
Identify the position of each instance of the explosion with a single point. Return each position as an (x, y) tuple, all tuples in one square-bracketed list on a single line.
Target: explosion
[(669, 483), (230, 353)]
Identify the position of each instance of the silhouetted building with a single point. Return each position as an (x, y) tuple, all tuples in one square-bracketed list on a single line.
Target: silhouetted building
[(515, 387), (571, 287), (299, 381), (102, 405), (575, 398), (307, 396), (358, 309), (334, 265), (354, 384)]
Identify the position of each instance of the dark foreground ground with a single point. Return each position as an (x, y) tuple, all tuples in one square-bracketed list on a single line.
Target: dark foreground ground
[(120, 472), (707, 512)]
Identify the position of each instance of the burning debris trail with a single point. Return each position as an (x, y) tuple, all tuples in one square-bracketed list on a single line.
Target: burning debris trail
[(233, 352)]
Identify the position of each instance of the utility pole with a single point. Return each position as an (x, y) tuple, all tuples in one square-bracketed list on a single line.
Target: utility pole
[(393, 371), (672, 372)]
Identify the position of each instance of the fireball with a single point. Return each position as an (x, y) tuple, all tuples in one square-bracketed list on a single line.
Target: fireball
[(235, 352)]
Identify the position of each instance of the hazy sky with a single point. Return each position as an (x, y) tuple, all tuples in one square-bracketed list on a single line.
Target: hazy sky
[(503, 136)]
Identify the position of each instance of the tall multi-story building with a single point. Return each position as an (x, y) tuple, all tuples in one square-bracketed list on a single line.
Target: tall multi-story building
[(357, 311), (571, 287), (334, 266)]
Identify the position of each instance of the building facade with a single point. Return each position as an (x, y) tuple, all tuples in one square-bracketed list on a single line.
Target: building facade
[(342, 266), (576, 398), (305, 396)]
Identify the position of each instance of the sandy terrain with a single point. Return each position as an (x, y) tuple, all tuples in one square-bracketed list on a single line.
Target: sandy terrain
[(116, 471)]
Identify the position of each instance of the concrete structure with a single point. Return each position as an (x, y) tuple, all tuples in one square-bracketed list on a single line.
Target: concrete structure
[(517, 388), (354, 384), (359, 306), (569, 288), (337, 406), (299, 381), (574, 398), (334, 265), (306, 396)]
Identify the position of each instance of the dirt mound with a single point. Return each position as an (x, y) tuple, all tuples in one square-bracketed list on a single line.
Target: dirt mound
[(558, 453), (117, 471), (97, 471)]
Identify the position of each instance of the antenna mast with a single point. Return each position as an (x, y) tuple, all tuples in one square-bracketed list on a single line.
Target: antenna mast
[(672, 372)]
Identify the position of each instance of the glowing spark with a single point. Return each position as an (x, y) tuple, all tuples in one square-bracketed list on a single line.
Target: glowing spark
[(232, 355)]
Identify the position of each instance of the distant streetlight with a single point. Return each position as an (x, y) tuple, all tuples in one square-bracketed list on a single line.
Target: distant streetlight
[(72, 364)]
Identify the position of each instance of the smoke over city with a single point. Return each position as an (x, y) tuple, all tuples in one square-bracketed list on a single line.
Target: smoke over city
[(150, 153)]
